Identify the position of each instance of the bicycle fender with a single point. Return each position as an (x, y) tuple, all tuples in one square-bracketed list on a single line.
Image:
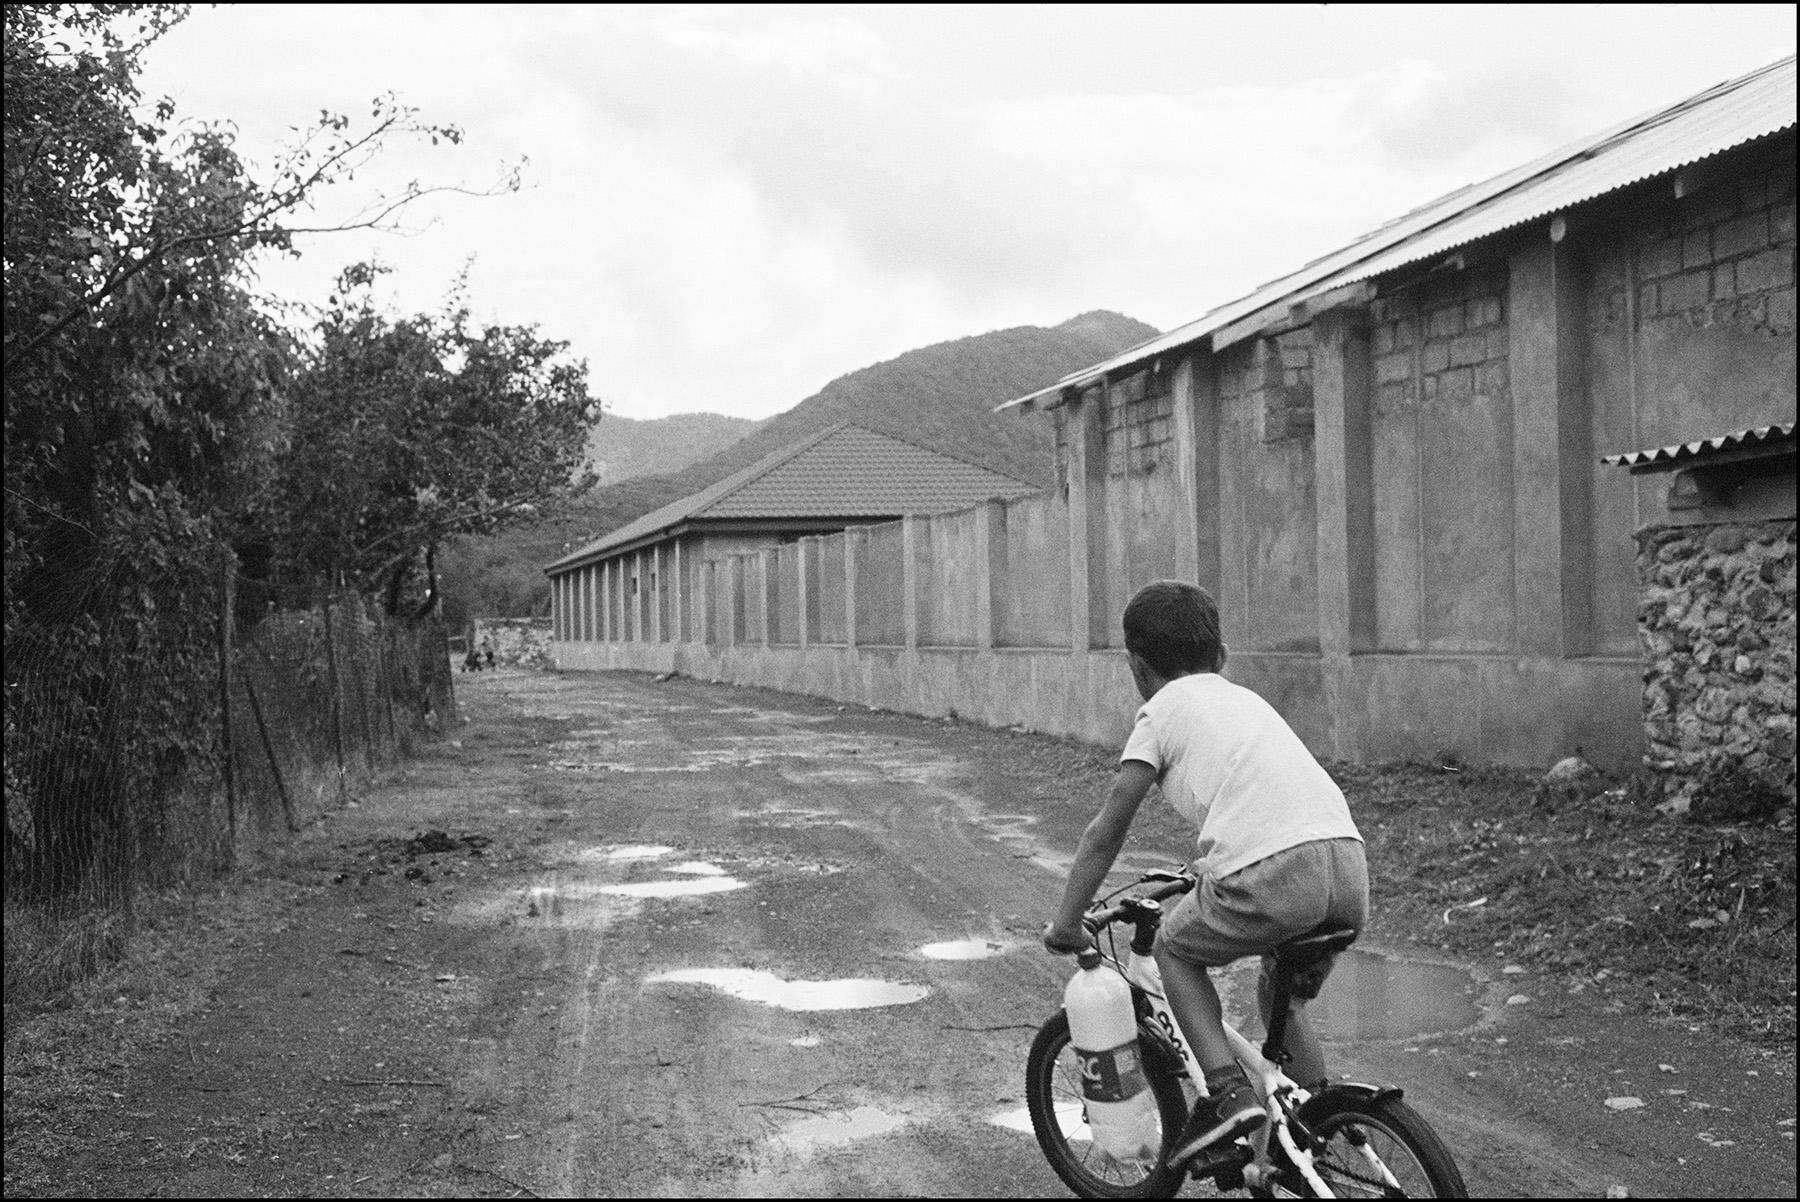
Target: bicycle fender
[(1354, 1091)]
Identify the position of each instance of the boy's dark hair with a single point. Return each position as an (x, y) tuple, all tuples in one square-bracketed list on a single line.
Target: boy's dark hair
[(1174, 626)]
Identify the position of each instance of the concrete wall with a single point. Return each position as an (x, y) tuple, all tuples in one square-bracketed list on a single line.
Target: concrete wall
[(1397, 502)]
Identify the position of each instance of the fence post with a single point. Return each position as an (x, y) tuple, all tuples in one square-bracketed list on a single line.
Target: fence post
[(337, 696), (262, 728), (362, 694), (227, 608)]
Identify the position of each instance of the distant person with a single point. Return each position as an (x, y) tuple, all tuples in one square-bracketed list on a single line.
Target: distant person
[(488, 650), (1278, 854)]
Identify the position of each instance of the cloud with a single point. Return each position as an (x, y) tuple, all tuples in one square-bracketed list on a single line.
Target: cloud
[(903, 180)]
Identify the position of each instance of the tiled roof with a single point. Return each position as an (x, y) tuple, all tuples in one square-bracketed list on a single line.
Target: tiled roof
[(841, 472), (1760, 436), (1707, 123)]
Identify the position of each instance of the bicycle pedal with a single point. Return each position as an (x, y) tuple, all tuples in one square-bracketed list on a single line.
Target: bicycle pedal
[(1224, 1159)]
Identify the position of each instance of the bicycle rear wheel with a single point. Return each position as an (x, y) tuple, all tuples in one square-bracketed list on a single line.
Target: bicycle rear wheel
[(1053, 1096), (1379, 1147)]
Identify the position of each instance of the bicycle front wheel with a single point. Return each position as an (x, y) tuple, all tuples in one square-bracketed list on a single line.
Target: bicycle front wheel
[(1058, 1116), (1379, 1148)]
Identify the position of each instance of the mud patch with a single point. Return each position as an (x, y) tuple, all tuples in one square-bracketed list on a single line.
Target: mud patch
[(754, 985), (794, 817)]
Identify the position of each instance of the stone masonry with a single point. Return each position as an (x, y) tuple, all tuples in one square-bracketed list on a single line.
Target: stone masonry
[(1717, 622)]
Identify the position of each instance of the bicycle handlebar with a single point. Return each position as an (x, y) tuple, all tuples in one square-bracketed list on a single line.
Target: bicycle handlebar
[(1174, 883)]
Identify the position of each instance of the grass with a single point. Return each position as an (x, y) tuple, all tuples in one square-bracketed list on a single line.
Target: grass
[(1673, 918)]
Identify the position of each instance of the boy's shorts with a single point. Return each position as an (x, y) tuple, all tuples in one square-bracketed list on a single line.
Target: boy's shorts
[(1269, 902)]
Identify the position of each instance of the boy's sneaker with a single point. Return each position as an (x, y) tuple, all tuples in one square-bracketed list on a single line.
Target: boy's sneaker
[(1218, 1119)]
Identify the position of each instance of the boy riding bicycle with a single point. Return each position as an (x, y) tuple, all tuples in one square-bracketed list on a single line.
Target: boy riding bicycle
[(1277, 857)]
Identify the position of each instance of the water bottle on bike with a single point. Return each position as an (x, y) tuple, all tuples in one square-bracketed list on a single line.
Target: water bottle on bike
[(1103, 1029)]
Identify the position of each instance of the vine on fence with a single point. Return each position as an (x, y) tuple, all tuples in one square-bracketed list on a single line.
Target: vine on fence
[(167, 717)]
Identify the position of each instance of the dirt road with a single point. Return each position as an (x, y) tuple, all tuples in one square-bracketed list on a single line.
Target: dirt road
[(594, 982)]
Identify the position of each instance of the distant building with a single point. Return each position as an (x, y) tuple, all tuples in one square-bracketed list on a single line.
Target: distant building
[(647, 581)]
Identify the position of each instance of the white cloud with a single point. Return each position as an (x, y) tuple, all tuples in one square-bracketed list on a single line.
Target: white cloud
[(728, 207)]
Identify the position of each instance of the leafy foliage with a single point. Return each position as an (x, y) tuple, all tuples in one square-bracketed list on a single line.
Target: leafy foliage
[(150, 396), (411, 431)]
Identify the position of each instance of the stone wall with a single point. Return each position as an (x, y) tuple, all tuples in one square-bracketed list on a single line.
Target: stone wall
[(522, 642), (1717, 622)]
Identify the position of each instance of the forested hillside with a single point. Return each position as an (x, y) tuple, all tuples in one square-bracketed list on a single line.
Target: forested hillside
[(625, 448), (940, 396)]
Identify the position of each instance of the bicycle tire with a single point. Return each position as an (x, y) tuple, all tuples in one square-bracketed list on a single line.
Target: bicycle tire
[(1053, 1097), (1402, 1140)]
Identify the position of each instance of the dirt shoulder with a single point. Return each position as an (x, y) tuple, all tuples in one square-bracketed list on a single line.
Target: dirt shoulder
[(489, 1009)]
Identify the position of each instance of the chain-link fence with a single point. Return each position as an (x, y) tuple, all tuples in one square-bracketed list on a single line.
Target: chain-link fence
[(149, 751)]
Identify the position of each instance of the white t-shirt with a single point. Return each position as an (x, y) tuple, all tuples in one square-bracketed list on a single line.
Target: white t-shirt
[(1229, 764)]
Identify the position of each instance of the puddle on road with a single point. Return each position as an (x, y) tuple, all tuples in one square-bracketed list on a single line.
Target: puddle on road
[(697, 868), (754, 985), (684, 888), (1372, 996), (631, 851), (1369, 996), (828, 1130), (805, 1041), (794, 817), (962, 949), (1019, 1119)]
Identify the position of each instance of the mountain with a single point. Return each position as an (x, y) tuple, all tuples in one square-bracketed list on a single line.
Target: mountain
[(625, 448), (940, 396)]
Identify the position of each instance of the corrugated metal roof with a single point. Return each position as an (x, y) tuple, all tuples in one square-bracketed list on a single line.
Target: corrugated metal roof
[(1707, 123), (1760, 436), (844, 471)]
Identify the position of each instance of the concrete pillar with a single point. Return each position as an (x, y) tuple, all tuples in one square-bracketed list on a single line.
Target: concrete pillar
[(734, 600), (909, 577), (1196, 420), (609, 588), (991, 583), (805, 552), (855, 538), (1087, 519), (634, 631), (678, 596), (1344, 481), (770, 601), (706, 579), (587, 603), (659, 589), (1552, 451)]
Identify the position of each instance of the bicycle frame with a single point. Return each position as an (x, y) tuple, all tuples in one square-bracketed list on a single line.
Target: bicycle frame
[(1280, 1093)]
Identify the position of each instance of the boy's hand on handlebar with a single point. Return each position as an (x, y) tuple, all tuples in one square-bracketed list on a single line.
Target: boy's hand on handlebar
[(1066, 941)]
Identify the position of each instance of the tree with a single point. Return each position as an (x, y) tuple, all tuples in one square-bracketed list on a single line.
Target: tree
[(411, 431), (144, 404)]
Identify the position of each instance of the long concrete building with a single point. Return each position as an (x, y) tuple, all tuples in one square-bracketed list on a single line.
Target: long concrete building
[(1385, 464)]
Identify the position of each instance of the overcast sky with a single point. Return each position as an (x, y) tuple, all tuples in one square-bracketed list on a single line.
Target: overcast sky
[(726, 208)]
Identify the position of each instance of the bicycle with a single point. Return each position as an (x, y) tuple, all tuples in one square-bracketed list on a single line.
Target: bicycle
[(1347, 1140)]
